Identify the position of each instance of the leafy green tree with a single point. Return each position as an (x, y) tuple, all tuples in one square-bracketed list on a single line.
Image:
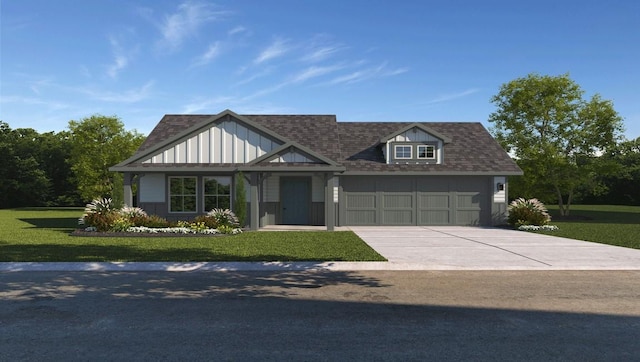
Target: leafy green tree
[(22, 181), (621, 186), (554, 133), (98, 142)]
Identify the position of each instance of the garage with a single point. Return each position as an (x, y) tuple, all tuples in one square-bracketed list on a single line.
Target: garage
[(415, 200)]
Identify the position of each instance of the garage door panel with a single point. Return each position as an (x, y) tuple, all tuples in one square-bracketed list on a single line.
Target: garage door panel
[(361, 208), (360, 201), (361, 217), (416, 200), (430, 200), (469, 200), (392, 200), (397, 217), (468, 217), (434, 208), (434, 217)]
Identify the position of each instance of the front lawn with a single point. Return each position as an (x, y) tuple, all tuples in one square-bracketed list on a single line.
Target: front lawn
[(606, 224), (42, 235)]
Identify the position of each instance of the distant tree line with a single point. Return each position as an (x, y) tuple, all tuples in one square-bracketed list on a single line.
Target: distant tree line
[(67, 168)]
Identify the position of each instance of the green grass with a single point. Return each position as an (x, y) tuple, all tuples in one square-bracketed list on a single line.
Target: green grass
[(42, 235), (606, 224)]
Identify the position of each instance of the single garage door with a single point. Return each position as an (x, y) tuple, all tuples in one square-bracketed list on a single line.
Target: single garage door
[(433, 200)]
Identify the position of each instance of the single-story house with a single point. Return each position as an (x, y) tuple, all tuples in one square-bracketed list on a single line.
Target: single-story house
[(313, 170)]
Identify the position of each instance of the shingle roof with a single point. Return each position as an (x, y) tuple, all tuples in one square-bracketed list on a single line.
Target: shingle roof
[(356, 145), (472, 149)]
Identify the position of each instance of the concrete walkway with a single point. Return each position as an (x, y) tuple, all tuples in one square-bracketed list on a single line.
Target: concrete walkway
[(414, 248)]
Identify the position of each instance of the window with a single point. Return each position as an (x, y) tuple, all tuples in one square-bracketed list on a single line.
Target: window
[(427, 151), (217, 193), (402, 152), (182, 194)]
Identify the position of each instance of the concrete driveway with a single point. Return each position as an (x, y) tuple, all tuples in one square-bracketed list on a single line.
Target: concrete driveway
[(474, 248)]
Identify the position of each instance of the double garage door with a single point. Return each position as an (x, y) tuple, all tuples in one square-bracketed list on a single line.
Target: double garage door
[(415, 200)]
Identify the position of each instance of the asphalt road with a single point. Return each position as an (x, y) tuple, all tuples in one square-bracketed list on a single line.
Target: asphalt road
[(332, 316)]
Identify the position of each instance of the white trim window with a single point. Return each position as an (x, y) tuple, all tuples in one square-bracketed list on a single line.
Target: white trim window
[(217, 193), (427, 152), (183, 194), (402, 152)]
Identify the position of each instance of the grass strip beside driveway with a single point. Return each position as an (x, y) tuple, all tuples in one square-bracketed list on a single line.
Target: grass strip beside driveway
[(42, 235), (605, 224)]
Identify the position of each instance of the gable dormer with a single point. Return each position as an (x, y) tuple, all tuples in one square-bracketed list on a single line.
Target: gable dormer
[(414, 144)]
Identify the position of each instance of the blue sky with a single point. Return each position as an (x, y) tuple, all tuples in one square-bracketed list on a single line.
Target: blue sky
[(360, 60)]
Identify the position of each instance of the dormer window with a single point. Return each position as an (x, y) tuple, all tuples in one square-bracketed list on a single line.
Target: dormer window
[(402, 152), (415, 144), (414, 152), (426, 152)]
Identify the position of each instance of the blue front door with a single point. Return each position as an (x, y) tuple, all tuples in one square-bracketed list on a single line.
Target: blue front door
[(295, 198)]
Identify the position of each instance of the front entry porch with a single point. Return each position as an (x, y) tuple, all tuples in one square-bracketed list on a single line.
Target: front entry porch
[(288, 198)]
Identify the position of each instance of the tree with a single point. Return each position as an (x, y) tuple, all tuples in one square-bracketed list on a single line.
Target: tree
[(621, 187), (22, 181), (97, 143), (553, 133)]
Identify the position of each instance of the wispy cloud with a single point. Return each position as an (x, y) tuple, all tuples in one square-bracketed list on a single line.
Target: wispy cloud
[(237, 30), (212, 52), (368, 73), (52, 105), (128, 96), (304, 75), (278, 48), (186, 22), (321, 53), (315, 71), (121, 56), (452, 96), (37, 84), (263, 73), (119, 63)]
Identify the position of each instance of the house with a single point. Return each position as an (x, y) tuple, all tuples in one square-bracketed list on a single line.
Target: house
[(313, 170)]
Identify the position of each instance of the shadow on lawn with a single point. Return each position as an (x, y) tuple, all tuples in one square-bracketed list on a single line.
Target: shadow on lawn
[(63, 224), (596, 216), (101, 253)]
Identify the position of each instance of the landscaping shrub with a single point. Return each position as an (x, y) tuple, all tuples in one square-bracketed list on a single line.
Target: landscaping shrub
[(101, 215), (209, 221), (151, 221), (527, 212), (121, 224), (100, 221), (224, 217)]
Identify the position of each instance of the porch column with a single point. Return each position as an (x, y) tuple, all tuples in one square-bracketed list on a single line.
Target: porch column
[(254, 223), (329, 207), (128, 194)]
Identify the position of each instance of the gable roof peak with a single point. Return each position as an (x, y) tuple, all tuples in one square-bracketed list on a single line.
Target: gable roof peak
[(422, 126)]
